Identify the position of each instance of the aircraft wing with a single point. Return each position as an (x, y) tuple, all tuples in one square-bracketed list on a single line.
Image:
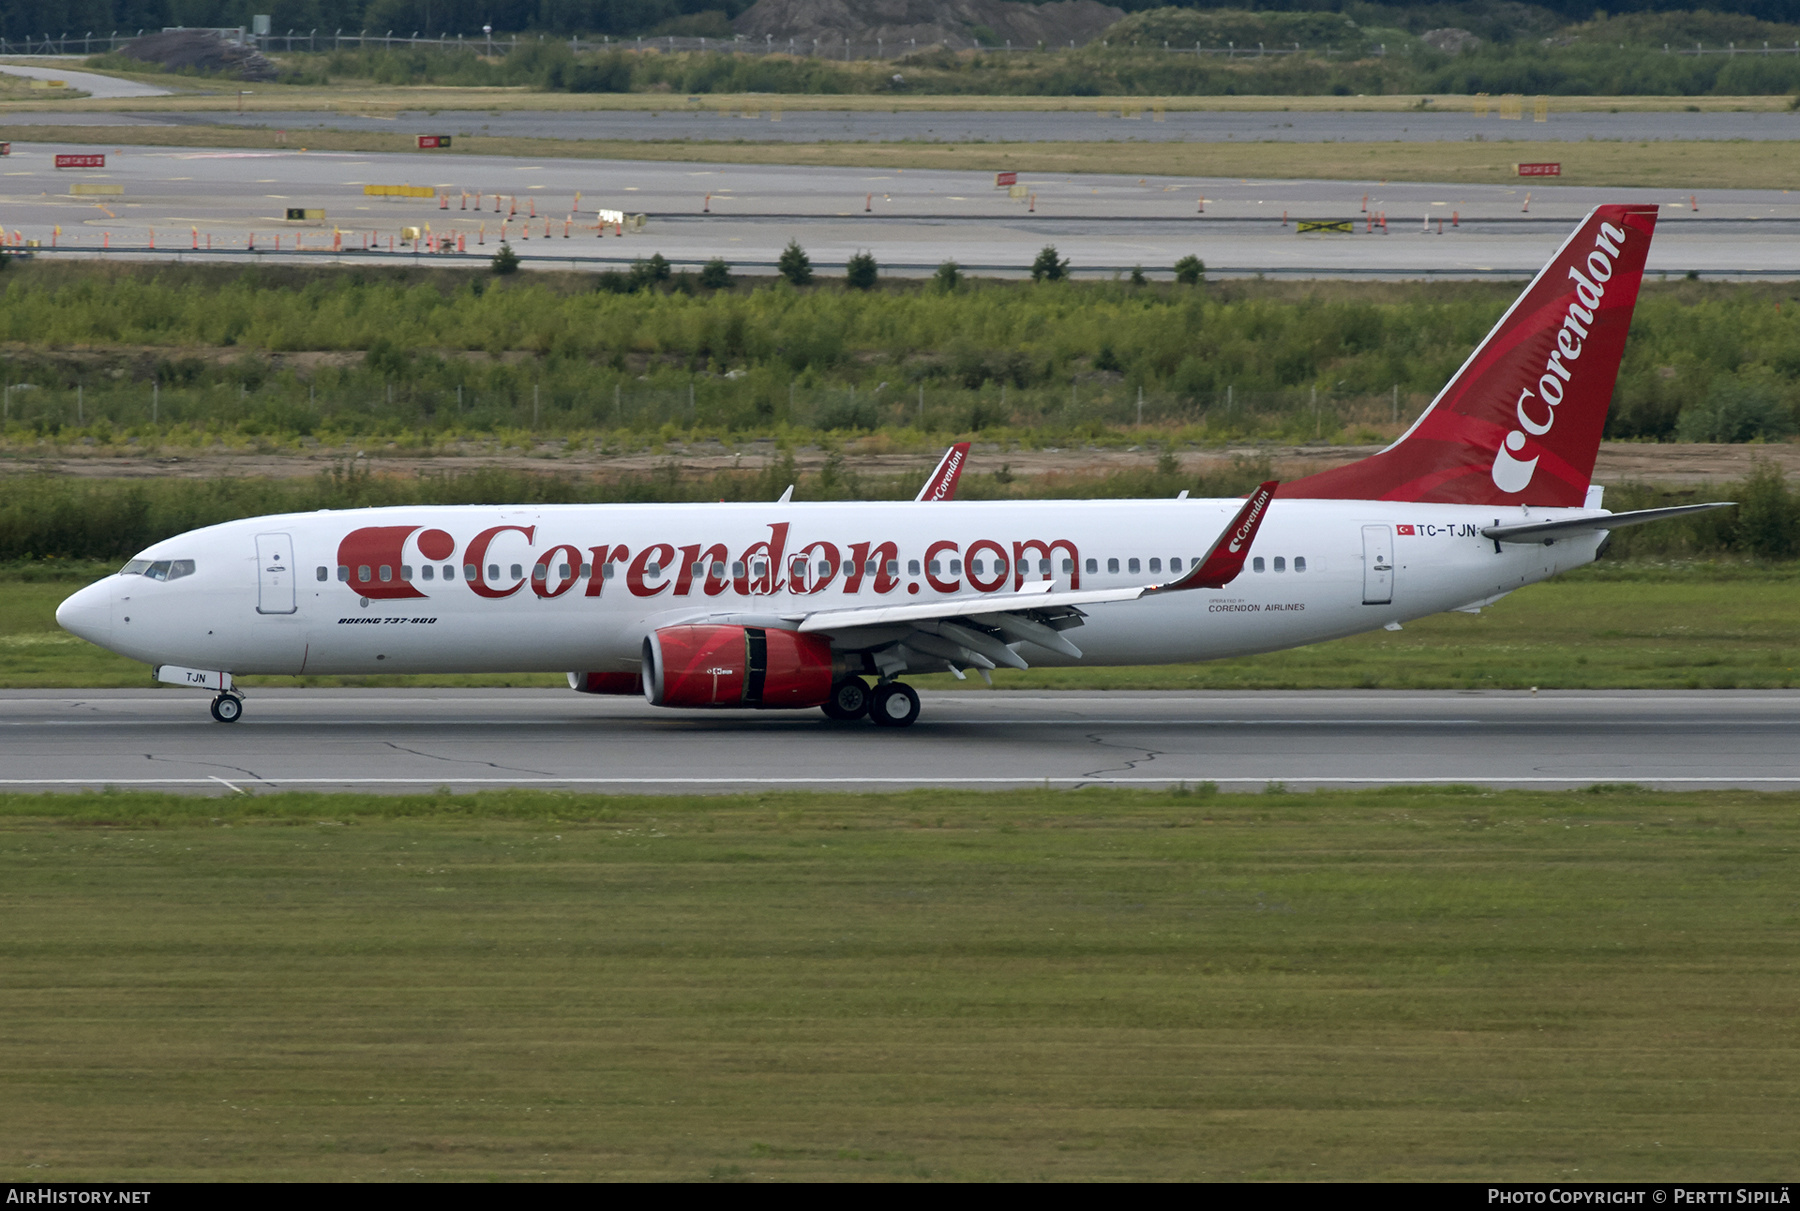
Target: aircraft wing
[(1550, 531), (978, 630), (941, 485)]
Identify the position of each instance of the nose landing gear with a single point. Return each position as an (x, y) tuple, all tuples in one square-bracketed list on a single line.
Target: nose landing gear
[(228, 708)]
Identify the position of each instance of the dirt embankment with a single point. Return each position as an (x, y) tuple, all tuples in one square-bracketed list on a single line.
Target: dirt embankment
[(902, 24), (1619, 462)]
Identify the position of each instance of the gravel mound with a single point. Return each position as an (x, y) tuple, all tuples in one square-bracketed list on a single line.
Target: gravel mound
[(200, 50)]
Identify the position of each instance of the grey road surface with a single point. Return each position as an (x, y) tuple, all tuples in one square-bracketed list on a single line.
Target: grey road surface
[(706, 121), (400, 740), (107, 88), (911, 220)]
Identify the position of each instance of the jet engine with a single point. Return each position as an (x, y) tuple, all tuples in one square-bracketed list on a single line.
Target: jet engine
[(710, 665)]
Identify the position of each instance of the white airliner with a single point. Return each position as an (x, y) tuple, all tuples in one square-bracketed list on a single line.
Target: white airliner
[(797, 605)]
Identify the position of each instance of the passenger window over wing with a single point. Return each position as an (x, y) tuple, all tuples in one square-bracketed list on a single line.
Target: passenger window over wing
[(1112, 565), (1093, 566), (1131, 565)]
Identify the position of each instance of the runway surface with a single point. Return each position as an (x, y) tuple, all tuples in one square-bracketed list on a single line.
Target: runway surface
[(1100, 120), (911, 220), (399, 740)]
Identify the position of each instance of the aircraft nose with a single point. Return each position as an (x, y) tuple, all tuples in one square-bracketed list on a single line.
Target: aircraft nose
[(88, 613)]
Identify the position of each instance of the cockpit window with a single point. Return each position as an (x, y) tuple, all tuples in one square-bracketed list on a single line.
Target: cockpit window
[(162, 569)]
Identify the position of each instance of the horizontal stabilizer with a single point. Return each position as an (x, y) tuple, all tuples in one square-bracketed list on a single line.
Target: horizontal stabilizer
[(1549, 531)]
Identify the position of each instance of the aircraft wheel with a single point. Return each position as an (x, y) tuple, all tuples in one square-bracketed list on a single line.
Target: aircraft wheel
[(849, 700), (228, 708), (894, 705)]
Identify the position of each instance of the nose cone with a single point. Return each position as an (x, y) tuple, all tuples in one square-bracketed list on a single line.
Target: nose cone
[(89, 613)]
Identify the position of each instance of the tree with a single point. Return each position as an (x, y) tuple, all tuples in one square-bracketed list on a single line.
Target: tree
[(506, 260), (716, 274), (1137, 275), (948, 276), (861, 271), (794, 264), (1190, 270), (1047, 268)]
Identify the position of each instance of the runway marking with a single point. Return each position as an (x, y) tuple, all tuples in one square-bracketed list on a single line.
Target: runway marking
[(439, 720), (1022, 780)]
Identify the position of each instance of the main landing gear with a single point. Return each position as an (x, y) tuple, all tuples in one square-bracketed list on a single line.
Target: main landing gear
[(890, 704), (228, 708)]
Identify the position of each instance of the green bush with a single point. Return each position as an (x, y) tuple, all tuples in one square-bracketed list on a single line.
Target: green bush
[(1738, 408), (506, 260), (1047, 268), (1190, 270), (948, 276), (1768, 526)]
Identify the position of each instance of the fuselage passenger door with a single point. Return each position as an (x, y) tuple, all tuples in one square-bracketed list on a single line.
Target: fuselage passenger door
[(274, 574), (1378, 565)]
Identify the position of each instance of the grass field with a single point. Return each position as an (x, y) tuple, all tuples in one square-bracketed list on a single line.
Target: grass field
[(1387, 985), (1618, 626), (1675, 165)]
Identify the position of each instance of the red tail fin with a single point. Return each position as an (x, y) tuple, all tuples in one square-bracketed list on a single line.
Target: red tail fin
[(1520, 424), (942, 484)]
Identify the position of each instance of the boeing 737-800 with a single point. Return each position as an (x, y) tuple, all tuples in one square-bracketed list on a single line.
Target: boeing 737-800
[(799, 605)]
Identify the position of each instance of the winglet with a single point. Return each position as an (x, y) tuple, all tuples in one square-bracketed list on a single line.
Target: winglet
[(942, 484), (1230, 549)]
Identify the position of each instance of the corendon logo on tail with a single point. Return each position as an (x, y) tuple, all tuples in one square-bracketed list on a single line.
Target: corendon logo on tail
[(1536, 409)]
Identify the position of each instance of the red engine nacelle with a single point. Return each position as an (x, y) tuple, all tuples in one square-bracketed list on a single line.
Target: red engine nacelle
[(606, 683), (721, 666)]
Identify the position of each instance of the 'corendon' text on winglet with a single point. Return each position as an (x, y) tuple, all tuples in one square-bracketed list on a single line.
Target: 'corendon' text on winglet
[(1226, 559)]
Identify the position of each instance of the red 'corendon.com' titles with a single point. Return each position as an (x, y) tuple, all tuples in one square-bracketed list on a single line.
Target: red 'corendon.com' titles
[(370, 560)]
